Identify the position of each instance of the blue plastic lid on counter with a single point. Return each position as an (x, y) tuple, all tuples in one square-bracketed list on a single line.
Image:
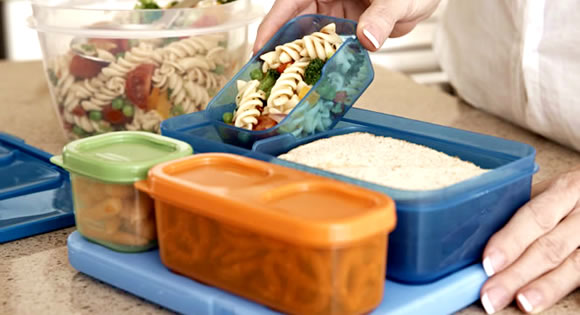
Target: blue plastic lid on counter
[(35, 195)]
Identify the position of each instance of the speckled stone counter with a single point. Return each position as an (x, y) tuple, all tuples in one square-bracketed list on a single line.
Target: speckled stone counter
[(35, 276)]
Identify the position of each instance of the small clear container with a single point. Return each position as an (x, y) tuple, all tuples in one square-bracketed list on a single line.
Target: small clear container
[(345, 76), (296, 242), (108, 209), (111, 67)]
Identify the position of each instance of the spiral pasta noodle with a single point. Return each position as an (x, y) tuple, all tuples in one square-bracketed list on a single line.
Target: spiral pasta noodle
[(321, 44), (99, 97), (248, 101), (292, 61)]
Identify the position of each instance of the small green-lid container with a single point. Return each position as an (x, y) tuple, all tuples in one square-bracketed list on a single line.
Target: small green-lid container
[(120, 157)]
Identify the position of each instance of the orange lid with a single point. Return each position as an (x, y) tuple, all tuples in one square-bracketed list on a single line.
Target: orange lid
[(271, 199)]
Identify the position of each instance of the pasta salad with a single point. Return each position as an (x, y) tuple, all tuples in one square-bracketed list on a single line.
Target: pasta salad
[(134, 84), (286, 76)]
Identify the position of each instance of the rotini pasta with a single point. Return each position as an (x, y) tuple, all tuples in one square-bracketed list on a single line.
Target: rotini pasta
[(287, 75), (248, 100), (95, 98)]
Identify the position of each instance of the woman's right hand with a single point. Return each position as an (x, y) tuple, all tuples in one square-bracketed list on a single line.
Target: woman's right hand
[(378, 19)]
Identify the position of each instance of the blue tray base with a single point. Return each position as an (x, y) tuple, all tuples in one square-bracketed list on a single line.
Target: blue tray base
[(143, 275)]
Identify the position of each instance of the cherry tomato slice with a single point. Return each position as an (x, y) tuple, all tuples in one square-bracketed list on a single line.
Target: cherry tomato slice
[(83, 68), (78, 111), (114, 116), (264, 122), (138, 85), (283, 67)]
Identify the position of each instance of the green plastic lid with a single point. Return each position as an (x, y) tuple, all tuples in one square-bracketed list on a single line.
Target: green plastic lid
[(120, 157)]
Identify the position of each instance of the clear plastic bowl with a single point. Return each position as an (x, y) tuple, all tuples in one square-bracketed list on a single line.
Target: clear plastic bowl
[(157, 63)]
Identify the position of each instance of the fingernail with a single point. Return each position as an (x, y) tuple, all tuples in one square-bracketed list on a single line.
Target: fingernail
[(493, 263), (494, 299), (487, 306), (529, 300), (371, 38)]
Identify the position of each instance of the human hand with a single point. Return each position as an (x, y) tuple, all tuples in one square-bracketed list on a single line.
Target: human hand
[(535, 258), (378, 19)]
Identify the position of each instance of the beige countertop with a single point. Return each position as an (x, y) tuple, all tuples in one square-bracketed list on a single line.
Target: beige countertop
[(35, 276)]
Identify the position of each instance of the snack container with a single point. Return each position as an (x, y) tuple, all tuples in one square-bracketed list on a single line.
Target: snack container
[(344, 78), (439, 231), (108, 209), (111, 67), (296, 242)]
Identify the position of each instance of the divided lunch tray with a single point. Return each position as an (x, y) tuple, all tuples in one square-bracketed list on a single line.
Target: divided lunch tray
[(143, 275), (35, 195)]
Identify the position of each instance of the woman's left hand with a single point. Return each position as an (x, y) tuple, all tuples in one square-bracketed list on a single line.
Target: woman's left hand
[(535, 258)]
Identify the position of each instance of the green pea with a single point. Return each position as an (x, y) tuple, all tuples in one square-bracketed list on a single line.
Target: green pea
[(79, 131), (118, 103), (228, 117), (219, 69), (256, 74), (95, 115), (128, 110), (52, 76), (177, 110)]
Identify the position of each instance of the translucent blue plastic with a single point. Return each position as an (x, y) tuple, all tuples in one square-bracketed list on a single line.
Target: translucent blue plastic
[(144, 275), (438, 231), (344, 78), (35, 195)]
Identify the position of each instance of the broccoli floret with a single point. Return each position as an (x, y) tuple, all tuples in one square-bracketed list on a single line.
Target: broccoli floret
[(313, 71), (147, 4), (269, 80)]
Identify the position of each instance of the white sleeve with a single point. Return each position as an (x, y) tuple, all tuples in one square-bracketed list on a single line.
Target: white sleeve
[(518, 60)]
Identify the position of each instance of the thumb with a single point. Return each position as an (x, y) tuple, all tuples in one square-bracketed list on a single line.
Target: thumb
[(377, 22)]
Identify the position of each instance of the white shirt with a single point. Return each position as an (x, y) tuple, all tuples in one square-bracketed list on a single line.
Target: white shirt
[(518, 59)]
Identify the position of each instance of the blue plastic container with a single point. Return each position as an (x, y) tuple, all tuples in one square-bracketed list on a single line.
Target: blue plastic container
[(35, 195), (438, 231), (344, 78)]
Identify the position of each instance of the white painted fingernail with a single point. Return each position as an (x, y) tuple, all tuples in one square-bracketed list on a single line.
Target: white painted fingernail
[(487, 267), (487, 304), (525, 303), (371, 38)]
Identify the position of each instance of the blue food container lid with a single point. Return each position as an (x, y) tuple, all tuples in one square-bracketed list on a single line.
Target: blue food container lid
[(345, 76), (35, 195)]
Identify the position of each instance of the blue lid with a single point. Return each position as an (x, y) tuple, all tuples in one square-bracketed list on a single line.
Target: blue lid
[(35, 195)]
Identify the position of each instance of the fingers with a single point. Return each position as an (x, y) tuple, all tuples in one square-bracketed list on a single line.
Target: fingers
[(536, 218), (544, 255), (282, 11), (377, 22), (391, 18), (544, 292)]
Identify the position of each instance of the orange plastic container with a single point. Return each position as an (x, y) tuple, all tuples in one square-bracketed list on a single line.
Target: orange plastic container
[(293, 241)]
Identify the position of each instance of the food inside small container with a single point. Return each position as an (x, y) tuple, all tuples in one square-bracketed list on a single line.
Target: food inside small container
[(301, 82), (296, 242), (130, 64), (108, 209)]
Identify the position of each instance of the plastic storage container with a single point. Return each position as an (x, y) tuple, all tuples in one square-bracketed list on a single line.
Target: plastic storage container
[(108, 209), (438, 231), (344, 78), (296, 242), (111, 67), (35, 195)]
